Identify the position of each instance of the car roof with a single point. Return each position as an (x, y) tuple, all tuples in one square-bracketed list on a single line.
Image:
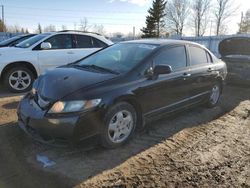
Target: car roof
[(91, 34), (162, 42), (25, 35), (75, 32)]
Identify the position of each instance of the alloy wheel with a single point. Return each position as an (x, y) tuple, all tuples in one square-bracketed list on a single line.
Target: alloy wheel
[(120, 126), (19, 80)]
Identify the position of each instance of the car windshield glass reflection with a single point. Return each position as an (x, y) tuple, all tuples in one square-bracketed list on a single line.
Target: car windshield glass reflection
[(6, 42), (120, 57), (29, 42)]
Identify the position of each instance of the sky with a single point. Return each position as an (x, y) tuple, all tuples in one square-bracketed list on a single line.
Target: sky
[(114, 15)]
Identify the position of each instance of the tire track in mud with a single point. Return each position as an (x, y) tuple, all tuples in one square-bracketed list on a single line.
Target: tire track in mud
[(169, 153), (83, 165), (14, 169)]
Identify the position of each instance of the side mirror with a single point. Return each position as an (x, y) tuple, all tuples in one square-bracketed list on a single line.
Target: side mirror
[(162, 69), (46, 46)]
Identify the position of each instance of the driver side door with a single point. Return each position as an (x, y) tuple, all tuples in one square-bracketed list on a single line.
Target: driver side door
[(166, 92)]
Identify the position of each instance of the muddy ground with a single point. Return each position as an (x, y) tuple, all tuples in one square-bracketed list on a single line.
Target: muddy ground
[(197, 148)]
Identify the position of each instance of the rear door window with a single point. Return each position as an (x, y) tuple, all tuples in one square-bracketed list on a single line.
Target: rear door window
[(174, 56), (83, 41), (98, 44), (197, 55)]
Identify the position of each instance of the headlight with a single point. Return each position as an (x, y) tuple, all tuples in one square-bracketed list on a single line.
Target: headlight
[(33, 91), (73, 106), (34, 87)]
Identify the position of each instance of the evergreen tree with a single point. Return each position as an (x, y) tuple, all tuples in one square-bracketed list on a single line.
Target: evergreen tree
[(39, 29), (155, 19), (149, 31)]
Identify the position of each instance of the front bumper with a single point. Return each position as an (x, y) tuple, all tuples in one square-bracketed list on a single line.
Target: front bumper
[(57, 129)]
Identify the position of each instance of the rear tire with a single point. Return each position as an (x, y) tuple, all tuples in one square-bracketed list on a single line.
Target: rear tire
[(214, 95), (19, 79), (120, 123)]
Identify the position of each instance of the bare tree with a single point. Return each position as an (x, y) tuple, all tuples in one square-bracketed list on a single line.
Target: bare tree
[(244, 25), (200, 9), (176, 15), (117, 34), (64, 27), (49, 28), (84, 26), (223, 10), (13, 28), (99, 29)]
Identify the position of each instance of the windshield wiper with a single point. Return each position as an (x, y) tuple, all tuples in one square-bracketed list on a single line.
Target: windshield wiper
[(96, 67)]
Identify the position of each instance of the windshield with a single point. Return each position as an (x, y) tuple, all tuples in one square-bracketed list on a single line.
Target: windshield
[(29, 42), (119, 57), (6, 42)]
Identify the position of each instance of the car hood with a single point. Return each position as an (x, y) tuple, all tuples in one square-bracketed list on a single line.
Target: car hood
[(235, 46), (62, 81), (12, 50)]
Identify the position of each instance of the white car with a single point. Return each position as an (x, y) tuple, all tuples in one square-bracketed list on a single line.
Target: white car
[(20, 65)]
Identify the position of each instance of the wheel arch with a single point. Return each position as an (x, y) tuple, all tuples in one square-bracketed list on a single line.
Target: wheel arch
[(19, 63), (131, 99), (220, 80)]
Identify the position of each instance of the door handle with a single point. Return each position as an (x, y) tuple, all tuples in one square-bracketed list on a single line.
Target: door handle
[(70, 52), (210, 69), (185, 75)]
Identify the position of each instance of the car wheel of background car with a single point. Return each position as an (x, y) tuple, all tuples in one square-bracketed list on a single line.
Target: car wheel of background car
[(120, 122), (215, 95), (19, 79)]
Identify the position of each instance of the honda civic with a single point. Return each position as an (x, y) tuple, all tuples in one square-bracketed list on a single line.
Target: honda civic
[(116, 90)]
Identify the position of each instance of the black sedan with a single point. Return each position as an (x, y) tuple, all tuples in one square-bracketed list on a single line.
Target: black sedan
[(15, 40), (118, 89)]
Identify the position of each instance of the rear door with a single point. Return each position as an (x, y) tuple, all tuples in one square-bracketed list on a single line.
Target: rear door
[(203, 71), (61, 46), (168, 91), (83, 46)]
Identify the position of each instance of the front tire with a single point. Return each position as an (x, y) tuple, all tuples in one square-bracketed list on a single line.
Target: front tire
[(120, 123), (19, 79)]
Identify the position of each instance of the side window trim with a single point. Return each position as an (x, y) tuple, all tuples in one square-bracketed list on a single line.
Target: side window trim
[(92, 42), (209, 57), (74, 40), (187, 56)]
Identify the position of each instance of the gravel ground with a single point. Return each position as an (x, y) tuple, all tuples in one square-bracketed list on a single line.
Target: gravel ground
[(211, 155), (197, 148)]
